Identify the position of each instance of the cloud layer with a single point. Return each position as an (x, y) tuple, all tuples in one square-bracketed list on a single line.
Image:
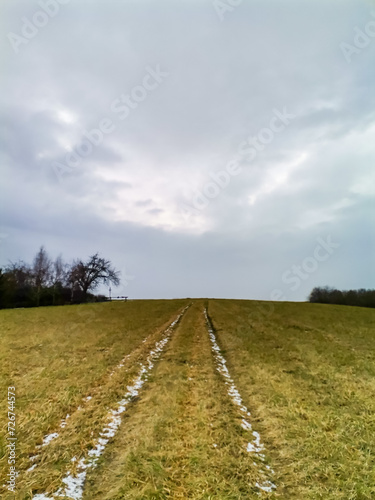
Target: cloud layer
[(154, 133)]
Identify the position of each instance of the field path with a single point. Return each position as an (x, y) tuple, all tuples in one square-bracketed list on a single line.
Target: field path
[(74, 479), (255, 446), (44, 457), (184, 437), (96, 395)]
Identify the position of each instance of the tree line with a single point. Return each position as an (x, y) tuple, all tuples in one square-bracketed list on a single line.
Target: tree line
[(328, 295), (54, 282)]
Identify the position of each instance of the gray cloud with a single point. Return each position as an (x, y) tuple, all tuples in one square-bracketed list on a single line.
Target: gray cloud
[(223, 82)]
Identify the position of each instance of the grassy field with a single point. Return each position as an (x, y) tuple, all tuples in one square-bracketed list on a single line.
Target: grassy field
[(308, 374), (305, 373)]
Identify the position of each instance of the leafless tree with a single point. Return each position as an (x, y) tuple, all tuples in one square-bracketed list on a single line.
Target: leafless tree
[(41, 271), (19, 274), (59, 275), (88, 275)]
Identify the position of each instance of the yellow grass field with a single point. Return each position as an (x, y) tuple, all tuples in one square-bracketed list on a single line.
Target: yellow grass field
[(189, 399)]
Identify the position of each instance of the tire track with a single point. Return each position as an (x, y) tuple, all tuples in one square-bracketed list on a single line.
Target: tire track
[(48, 438), (75, 478), (94, 393), (255, 446), (182, 439)]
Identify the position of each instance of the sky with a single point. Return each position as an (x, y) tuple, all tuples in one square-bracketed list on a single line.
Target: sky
[(208, 148)]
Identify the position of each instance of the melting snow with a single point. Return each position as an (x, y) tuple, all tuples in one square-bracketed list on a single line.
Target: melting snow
[(255, 446), (246, 425), (63, 421), (49, 438), (266, 486)]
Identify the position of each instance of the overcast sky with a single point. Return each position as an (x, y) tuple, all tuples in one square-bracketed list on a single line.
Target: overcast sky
[(233, 151)]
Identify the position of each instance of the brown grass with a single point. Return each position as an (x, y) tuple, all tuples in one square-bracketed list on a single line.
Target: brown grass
[(305, 371), (166, 445), (55, 357)]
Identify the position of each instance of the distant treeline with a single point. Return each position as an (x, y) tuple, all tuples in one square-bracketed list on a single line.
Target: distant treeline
[(54, 282), (327, 295)]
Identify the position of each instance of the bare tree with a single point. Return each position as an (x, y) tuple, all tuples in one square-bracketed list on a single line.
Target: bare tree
[(20, 273), (41, 271), (90, 274), (59, 271), (59, 275)]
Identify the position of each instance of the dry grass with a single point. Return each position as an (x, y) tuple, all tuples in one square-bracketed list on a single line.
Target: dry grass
[(55, 357), (166, 445), (306, 372)]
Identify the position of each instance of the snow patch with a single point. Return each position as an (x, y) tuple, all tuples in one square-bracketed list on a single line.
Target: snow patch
[(63, 421), (255, 446), (50, 437), (266, 486), (246, 425)]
